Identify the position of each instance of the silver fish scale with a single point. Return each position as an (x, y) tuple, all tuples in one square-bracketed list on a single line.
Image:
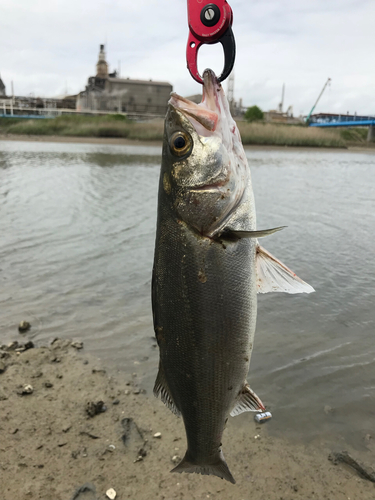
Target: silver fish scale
[(204, 302)]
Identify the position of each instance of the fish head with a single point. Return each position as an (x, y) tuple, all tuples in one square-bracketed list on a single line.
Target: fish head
[(205, 169)]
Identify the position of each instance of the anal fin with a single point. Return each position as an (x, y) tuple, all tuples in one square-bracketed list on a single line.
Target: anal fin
[(161, 388), (247, 401), (274, 276)]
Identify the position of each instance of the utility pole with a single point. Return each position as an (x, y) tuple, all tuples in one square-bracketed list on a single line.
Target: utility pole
[(12, 101), (281, 105)]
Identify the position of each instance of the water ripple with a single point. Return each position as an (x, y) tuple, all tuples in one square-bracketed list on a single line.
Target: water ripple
[(77, 225)]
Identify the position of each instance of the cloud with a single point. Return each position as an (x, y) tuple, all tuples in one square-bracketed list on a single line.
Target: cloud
[(47, 46)]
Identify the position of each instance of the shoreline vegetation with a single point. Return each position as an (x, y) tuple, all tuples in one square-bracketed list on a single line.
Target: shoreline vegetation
[(119, 127), (72, 430)]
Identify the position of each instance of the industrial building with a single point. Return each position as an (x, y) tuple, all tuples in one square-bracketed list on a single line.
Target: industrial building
[(108, 92), (2, 88)]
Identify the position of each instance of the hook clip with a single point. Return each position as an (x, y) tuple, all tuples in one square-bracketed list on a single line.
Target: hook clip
[(210, 23)]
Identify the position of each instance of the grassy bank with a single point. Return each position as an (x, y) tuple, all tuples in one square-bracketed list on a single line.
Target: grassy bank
[(289, 135), (84, 126), (118, 126)]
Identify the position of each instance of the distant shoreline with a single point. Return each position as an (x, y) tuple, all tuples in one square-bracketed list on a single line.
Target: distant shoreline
[(117, 129), (78, 140), (120, 141)]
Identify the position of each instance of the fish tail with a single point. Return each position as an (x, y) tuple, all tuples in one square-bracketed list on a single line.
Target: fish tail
[(219, 468)]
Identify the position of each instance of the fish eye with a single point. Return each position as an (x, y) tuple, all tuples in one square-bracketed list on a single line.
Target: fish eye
[(180, 143)]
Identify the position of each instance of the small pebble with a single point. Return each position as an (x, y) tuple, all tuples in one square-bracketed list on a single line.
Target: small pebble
[(77, 344), (25, 389), (115, 401), (24, 326), (93, 408), (176, 459), (12, 346), (48, 384), (111, 494), (136, 391), (100, 370), (127, 392), (111, 447), (257, 436), (157, 435)]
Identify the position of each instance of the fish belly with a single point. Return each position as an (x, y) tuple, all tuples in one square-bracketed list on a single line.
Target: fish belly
[(204, 300)]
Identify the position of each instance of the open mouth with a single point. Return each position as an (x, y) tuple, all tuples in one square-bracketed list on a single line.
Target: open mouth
[(207, 112)]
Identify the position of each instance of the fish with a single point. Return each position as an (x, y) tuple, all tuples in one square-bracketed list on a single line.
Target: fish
[(208, 268)]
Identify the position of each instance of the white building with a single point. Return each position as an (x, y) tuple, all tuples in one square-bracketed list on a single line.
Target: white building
[(107, 92)]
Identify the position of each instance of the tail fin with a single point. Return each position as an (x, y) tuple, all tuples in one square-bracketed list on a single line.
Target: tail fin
[(219, 468)]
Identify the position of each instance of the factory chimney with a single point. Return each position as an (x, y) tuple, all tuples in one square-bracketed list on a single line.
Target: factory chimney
[(101, 65)]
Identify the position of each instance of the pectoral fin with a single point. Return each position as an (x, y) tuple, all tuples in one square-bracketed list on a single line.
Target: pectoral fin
[(161, 388), (274, 276), (247, 401), (234, 234)]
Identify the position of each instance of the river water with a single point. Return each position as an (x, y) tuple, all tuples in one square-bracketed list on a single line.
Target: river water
[(77, 228)]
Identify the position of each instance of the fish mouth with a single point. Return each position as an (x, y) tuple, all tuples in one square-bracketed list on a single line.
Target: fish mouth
[(207, 113)]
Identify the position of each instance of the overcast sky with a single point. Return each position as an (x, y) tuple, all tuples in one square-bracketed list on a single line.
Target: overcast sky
[(48, 46)]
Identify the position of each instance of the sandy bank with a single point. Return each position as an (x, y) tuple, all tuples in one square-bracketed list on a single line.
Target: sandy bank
[(50, 445)]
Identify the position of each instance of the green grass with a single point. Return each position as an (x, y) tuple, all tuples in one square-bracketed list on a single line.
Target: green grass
[(355, 134), (119, 126), (289, 135), (84, 126)]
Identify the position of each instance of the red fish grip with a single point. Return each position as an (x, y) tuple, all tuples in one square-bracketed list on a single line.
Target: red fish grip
[(209, 23)]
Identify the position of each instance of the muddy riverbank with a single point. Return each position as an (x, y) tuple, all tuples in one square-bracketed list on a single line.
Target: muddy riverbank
[(55, 438)]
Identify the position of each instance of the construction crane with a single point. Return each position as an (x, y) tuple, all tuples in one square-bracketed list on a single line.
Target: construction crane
[(320, 95)]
